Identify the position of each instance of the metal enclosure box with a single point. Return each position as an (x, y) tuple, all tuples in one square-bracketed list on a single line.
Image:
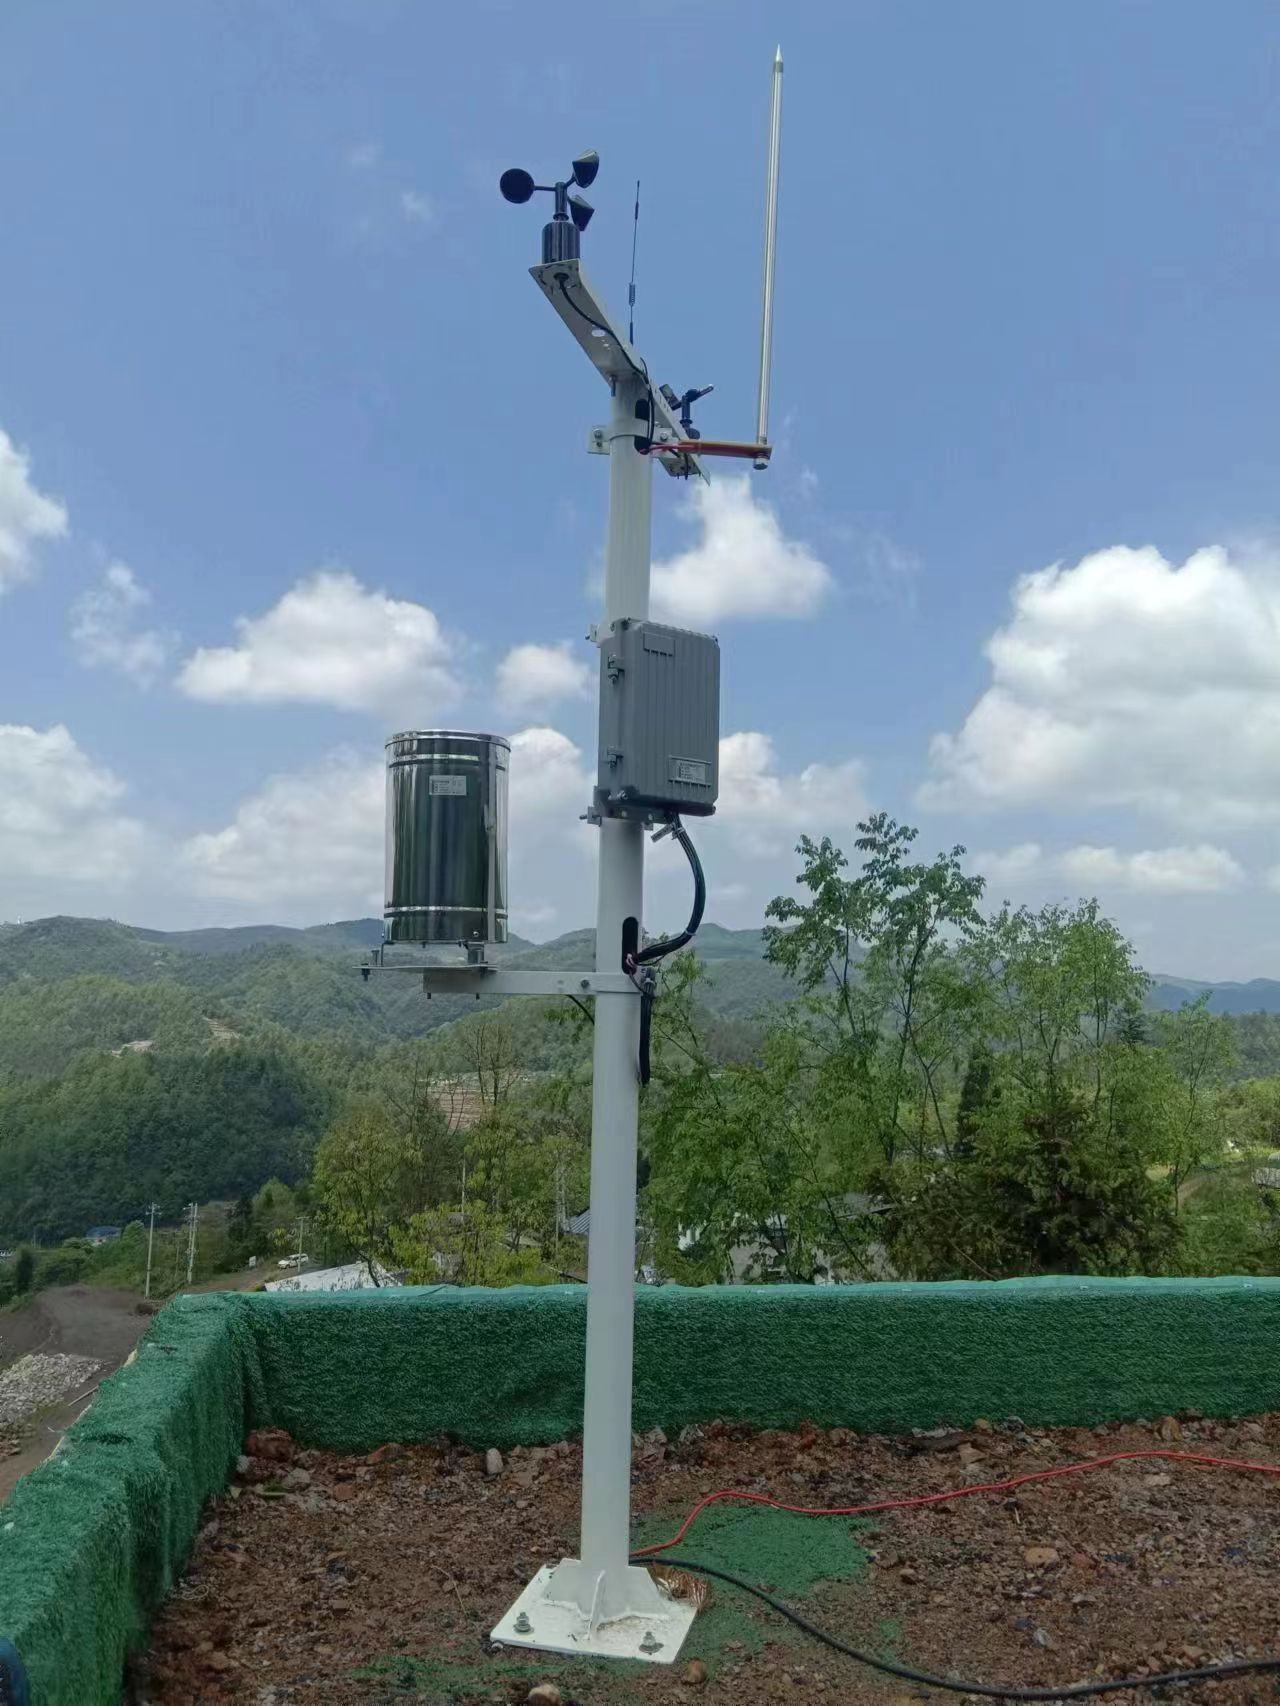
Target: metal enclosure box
[(659, 721), (446, 845)]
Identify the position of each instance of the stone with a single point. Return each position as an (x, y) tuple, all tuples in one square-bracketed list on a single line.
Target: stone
[(218, 1661), (343, 1491), (908, 1575), (1040, 1557), (984, 1425), (695, 1674), (544, 1694), (243, 1465), (1043, 1638), (297, 1478), (388, 1453), (272, 1443), (969, 1455), (493, 1466), (1170, 1428)]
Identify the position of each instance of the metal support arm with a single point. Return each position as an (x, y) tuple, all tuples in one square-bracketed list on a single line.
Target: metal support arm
[(494, 980)]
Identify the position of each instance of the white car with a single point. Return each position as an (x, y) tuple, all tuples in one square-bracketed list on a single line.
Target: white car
[(297, 1261)]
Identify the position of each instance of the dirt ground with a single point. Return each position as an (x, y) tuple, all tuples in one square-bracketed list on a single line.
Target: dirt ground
[(75, 1320), (71, 1320), (322, 1579)]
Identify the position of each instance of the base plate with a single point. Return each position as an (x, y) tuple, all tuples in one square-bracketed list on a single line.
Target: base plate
[(560, 1625)]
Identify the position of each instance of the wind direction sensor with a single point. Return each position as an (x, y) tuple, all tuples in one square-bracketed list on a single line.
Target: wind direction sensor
[(658, 761)]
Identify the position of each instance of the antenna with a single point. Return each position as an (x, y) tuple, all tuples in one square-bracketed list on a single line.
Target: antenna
[(770, 255), (631, 288)]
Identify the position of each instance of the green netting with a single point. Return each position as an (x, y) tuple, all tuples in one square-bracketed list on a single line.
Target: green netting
[(505, 1368), (92, 1540)]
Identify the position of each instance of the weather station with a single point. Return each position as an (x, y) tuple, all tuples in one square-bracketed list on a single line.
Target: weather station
[(447, 885)]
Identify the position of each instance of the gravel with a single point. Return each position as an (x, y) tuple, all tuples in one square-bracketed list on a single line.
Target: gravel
[(36, 1381)]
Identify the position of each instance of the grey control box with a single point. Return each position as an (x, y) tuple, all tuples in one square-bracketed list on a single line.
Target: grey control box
[(659, 721)]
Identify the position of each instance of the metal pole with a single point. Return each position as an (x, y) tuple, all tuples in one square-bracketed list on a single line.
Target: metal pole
[(191, 1240), (151, 1238), (770, 251), (615, 1110)]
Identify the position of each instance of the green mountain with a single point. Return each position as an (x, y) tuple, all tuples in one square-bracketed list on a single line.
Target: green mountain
[(1260, 995), (141, 1063)]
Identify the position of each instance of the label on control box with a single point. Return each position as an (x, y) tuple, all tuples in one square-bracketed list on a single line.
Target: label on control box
[(690, 770), (451, 785)]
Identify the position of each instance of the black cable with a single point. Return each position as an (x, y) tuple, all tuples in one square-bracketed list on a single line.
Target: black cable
[(646, 1031), (590, 1016), (988, 1690), (641, 372), (673, 944)]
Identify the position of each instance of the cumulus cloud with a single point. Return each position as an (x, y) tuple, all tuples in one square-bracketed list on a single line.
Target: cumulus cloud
[(742, 564), (104, 629), (332, 641), (27, 515), (766, 809), (1128, 680), (1198, 869), (533, 677), (60, 819), (313, 836), (309, 843)]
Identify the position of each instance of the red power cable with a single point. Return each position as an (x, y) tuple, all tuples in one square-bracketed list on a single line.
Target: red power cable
[(954, 1492)]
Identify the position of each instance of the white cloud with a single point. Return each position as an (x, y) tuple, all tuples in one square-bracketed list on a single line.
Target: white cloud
[(313, 837), (1014, 865), (362, 155), (103, 632), (1202, 869), (533, 677), (1199, 869), (417, 208), (59, 819), (1129, 681), (742, 565), (309, 843), (26, 515), (332, 641), (767, 811)]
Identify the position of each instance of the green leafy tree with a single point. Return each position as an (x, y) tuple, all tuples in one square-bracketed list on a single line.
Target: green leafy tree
[(465, 1246), (24, 1270)]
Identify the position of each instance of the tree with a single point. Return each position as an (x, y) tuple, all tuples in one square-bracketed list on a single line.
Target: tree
[(1197, 1051), (465, 1247), (363, 1184), (776, 1164), (1061, 1163), (24, 1269)]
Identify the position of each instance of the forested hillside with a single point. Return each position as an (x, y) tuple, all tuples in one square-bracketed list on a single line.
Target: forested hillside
[(138, 1064)]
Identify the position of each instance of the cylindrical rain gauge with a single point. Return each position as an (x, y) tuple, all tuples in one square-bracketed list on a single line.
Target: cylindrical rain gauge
[(446, 837)]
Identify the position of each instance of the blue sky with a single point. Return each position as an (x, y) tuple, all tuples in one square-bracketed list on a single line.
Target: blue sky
[(294, 450)]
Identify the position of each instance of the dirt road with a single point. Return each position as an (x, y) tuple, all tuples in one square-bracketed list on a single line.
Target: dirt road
[(71, 1320)]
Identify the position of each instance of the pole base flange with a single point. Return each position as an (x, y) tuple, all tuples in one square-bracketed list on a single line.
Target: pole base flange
[(620, 1614)]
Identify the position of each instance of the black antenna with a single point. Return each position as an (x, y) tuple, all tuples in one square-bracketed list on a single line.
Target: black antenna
[(631, 288)]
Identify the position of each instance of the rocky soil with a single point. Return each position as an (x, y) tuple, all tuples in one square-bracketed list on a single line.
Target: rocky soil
[(326, 1579), (39, 1380)]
